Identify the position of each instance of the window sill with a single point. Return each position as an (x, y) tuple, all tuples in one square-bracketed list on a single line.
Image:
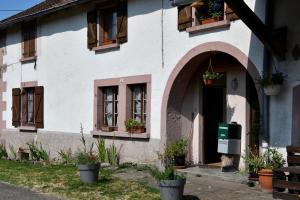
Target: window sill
[(27, 129), (106, 47), (28, 59), (208, 27), (119, 134)]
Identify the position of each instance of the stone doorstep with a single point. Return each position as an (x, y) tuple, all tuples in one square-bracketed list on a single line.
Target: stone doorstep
[(216, 173)]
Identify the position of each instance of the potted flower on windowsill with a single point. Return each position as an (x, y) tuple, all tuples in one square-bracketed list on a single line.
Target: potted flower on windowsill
[(171, 183), (215, 12), (272, 83), (88, 163), (209, 77), (272, 159), (133, 126)]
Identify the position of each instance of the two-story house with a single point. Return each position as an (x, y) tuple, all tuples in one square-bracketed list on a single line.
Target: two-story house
[(99, 63)]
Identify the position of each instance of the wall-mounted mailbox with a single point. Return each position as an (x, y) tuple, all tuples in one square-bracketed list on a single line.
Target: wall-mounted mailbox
[(229, 138)]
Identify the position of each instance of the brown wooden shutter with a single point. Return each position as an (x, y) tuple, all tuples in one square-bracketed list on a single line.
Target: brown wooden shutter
[(230, 15), (29, 36), (39, 107), (184, 17), (16, 106), (92, 29), (122, 24)]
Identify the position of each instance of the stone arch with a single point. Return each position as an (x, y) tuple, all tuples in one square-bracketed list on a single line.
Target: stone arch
[(203, 49)]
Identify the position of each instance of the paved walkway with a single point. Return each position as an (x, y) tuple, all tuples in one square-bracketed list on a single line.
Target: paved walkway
[(9, 192)]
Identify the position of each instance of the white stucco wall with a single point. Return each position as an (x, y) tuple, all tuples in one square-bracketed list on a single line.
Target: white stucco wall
[(67, 69)]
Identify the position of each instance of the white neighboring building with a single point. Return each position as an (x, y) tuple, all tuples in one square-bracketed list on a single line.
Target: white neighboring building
[(69, 62)]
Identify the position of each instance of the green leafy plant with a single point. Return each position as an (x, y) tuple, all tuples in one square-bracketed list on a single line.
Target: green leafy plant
[(276, 78), (168, 173), (103, 157), (177, 148), (254, 161), (85, 156), (273, 159), (12, 151), (66, 157), (3, 152), (38, 153), (132, 123), (211, 75), (212, 12), (113, 155)]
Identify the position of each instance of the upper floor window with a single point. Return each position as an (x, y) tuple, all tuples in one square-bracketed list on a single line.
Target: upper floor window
[(29, 40), (203, 12), (107, 26)]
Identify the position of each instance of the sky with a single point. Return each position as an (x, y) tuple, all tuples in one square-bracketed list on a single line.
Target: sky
[(15, 5)]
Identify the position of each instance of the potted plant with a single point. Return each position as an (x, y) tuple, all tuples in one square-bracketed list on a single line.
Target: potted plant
[(215, 12), (176, 153), (271, 83), (272, 159), (255, 162), (88, 163), (171, 183), (133, 126), (209, 77)]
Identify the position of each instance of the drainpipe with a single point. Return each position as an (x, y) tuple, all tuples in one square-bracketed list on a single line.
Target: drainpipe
[(267, 66)]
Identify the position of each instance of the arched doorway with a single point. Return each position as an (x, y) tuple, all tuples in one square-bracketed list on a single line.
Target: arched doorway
[(192, 110)]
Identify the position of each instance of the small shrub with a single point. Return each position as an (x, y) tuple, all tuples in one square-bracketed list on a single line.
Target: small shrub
[(113, 155), (3, 152), (102, 153), (38, 153), (167, 174), (84, 156), (66, 157)]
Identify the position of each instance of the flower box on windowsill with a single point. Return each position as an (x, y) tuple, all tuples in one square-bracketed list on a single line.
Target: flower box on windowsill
[(211, 20), (108, 129), (137, 130)]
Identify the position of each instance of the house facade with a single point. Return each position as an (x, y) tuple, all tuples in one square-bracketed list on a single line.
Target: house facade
[(95, 64)]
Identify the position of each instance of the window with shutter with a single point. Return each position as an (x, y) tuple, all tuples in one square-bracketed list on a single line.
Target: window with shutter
[(29, 40), (28, 107), (108, 24)]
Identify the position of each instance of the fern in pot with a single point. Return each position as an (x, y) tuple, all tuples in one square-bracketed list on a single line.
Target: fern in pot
[(88, 163), (272, 83)]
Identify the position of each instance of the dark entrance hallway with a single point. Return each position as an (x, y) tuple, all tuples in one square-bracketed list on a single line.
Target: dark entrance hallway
[(213, 111)]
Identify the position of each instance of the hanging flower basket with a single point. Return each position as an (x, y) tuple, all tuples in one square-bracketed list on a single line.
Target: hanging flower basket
[(272, 83), (209, 76)]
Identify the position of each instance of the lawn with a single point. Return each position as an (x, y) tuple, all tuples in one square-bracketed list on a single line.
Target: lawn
[(63, 181)]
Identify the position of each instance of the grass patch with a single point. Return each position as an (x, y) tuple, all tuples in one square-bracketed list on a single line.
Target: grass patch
[(64, 181)]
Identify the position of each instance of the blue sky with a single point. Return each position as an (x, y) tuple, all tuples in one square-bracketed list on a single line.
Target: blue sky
[(15, 5)]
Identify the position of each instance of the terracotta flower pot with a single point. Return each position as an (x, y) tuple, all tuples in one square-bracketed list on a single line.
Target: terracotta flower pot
[(137, 130), (265, 180), (209, 81)]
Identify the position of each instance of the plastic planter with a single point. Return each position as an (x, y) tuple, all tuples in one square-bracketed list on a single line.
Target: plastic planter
[(89, 173), (171, 189)]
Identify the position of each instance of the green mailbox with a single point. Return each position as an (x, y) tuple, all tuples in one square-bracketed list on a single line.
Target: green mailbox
[(229, 138), (229, 131)]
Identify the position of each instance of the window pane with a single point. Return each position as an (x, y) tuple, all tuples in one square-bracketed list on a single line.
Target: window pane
[(110, 106), (30, 106)]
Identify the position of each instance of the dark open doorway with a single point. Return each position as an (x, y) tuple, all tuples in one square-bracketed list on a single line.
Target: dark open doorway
[(214, 106)]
